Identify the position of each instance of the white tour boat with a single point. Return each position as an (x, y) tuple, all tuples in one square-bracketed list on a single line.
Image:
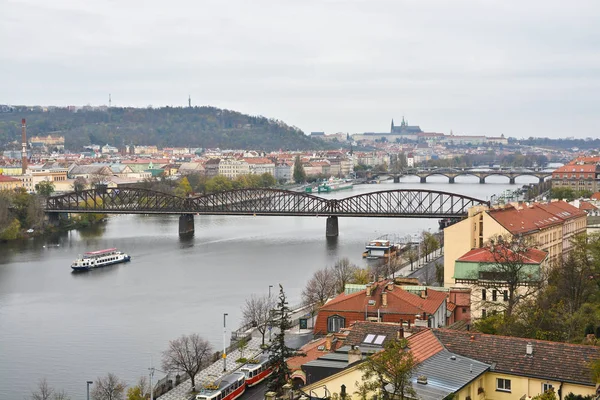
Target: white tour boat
[(100, 258)]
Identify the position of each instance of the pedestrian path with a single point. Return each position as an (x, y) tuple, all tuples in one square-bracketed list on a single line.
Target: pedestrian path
[(182, 391)]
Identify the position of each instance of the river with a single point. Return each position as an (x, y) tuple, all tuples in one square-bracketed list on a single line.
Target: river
[(71, 328)]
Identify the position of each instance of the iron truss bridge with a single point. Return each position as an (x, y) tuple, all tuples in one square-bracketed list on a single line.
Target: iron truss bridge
[(387, 203)]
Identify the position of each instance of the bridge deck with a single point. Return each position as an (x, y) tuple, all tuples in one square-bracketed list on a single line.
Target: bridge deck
[(388, 203)]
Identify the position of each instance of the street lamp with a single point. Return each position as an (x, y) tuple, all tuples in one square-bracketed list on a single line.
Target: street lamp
[(88, 389), (224, 342)]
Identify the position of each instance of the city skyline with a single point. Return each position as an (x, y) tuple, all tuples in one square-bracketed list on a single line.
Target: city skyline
[(348, 66)]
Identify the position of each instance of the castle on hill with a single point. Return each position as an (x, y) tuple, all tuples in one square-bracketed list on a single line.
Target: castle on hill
[(404, 128)]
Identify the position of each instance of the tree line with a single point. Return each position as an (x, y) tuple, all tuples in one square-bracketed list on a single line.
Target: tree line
[(206, 127)]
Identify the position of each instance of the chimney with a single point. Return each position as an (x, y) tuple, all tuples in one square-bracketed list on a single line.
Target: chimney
[(424, 294), (400, 334), (390, 286), (354, 355), (23, 146), (384, 298), (369, 289), (328, 341), (529, 349)]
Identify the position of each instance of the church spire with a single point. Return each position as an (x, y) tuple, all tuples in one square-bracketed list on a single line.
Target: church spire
[(403, 122), (392, 130)]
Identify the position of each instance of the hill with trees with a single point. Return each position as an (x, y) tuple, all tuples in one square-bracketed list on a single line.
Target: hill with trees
[(206, 127)]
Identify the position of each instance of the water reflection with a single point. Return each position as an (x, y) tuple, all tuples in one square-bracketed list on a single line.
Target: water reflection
[(93, 231), (186, 241), (332, 245)]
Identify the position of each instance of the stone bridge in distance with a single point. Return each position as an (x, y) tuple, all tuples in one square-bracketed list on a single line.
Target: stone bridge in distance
[(401, 203), (452, 173)]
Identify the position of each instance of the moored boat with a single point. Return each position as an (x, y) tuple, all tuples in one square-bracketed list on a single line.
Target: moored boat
[(380, 249), (98, 259), (333, 185)]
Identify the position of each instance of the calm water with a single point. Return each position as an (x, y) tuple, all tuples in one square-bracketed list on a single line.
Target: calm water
[(71, 328)]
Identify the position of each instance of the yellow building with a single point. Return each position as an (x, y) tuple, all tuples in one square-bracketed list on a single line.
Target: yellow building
[(549, 227), (473, 366), (9, 183), (11, 170)]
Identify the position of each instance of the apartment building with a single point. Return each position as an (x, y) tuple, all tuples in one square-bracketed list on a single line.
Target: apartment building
[(549, 227), (232, 168), (578, 177), (260, 165)]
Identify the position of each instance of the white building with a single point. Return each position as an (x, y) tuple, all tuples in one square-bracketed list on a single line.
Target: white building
[(232, 168)]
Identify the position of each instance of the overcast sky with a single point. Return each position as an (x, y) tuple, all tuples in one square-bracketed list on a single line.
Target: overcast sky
[(522, 68)]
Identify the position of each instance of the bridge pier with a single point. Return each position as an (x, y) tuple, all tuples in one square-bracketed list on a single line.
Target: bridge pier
[(512, 180), (423, 179), (451, 179), (332, 229), (397, 179), (186, 225), (54, 219), (542, 179), (482, 179)]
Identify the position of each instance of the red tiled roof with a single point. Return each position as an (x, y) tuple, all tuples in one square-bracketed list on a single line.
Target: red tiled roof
[(584, 205), (311, 349), (399, 301), (585, 168), (4, 178), (485, 255), (258, 160), (561, 209), (554, 361), (527, 219), (585, 160), (596, 196), (423, 345)]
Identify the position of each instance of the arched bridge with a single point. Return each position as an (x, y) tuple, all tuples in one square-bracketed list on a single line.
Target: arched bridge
[(387, 203), (452, 173)]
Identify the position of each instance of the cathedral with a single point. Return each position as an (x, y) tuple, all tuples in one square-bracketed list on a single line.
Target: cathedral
[(405, 129)]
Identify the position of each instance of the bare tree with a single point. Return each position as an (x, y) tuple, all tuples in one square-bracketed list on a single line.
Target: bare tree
[(187, 354), (319, 288), (257, 312), (510, 273), (429, 244), (411, 255), (61, 395), (108, 387), (79, 184), (43, 391), (343, 271)]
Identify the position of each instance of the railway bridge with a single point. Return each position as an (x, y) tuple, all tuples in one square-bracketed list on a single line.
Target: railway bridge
[(399, 203), (452, 173)]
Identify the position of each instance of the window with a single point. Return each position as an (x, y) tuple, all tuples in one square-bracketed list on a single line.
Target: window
[(379, 339), (494, 295), (482, 294), (483, 313), (369, 338), (503, 385), (506, 295), (546, 387), (335, 323)]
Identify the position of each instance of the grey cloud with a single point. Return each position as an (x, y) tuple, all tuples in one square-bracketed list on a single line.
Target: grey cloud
[(471, 66)]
